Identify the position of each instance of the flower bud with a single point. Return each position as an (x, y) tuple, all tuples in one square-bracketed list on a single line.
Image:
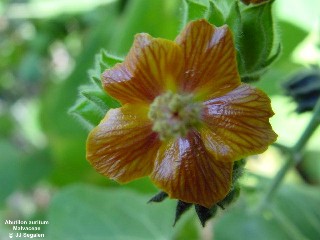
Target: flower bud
[(257, 47), (304, 88)]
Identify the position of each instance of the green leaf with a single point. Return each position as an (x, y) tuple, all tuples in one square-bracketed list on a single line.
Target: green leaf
[(241, 224), (35, 167), (87, 212), (291, 36), (293, 214), (298, 208), (194, 10), (257, 41), (6, 122), (190, 230), (65, 137), (159, 18), (5, 229), (302, 14), (50, 9), (9, 169), (310, 166)]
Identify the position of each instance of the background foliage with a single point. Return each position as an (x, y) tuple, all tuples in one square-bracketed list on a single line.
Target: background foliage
[(46, 50)]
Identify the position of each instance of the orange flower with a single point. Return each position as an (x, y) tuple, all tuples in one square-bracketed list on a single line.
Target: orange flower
[(185, 115)]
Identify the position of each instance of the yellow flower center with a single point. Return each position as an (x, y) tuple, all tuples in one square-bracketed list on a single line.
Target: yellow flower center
[(174, 114)]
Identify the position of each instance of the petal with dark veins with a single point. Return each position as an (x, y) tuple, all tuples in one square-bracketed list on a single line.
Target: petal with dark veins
[(187, 171), (123, 146)]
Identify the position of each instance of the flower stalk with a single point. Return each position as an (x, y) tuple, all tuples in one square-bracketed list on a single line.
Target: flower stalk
[(294, 156)]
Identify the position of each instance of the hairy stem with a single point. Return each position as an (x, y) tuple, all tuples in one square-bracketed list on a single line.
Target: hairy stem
[(294, 156)]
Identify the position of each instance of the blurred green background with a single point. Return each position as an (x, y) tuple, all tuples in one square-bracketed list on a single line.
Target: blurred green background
[(46, 50)]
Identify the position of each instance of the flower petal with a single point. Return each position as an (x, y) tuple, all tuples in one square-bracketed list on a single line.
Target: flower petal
[(123, 146), (186, 171), (237, 124), (210, 59), (151, 67)]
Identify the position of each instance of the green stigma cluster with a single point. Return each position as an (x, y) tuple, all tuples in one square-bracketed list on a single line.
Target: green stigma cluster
[(173, 115)]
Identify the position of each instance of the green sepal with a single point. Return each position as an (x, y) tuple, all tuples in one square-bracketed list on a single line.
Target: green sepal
[(194, 10), (159, 197), (257, 41), (100, 98), (95, 79), (204, 214), (273, 57), (87, 113), (94, 102), (109, 60), (255, 76), (215, 16), (224, 6), (238, 168), (237, 171), (103, 61), (231, 197), (233, 20), (181, 208)]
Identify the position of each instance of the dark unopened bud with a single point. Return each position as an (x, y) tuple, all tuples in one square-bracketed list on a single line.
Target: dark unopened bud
[(304, 88)]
